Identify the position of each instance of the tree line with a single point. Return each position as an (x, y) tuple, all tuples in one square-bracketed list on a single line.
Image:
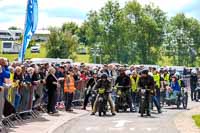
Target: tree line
[(133, 34)]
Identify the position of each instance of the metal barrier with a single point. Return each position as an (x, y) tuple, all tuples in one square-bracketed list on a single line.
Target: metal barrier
[(79, 93), (26, 98)]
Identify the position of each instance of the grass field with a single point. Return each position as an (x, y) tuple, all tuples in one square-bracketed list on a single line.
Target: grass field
[(196, 118), (12, 57), (82, 58), (42, 54)]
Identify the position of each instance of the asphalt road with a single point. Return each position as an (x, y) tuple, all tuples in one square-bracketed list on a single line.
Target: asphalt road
[(127, 123)]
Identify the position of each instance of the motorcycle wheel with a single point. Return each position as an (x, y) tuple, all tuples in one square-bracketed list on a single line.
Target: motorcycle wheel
[(100, 108), (185, 101), (142, 108)]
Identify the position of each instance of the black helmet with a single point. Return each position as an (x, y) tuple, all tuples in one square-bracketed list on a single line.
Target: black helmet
[(145, 71), (104, 76)]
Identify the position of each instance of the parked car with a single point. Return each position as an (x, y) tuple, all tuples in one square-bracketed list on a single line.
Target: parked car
[(35, 49)]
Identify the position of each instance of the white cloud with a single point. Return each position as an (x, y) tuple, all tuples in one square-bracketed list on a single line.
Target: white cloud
[(169, 6)]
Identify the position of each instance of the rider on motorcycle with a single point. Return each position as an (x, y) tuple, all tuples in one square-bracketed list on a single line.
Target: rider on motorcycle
[(104, 83), (147, 82), (124, 81)]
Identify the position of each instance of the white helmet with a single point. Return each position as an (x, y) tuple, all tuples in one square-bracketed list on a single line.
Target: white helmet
[(193, 71)]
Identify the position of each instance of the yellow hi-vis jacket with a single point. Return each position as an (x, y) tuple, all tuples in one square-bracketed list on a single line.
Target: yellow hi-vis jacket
[(166, 78), (156, 78), (134, 84)]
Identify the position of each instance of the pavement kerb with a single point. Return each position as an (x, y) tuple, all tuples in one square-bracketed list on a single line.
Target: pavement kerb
[(184, 122), (60, 125)]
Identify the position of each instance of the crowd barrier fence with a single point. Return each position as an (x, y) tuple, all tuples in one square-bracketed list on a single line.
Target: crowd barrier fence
[(17, 100)]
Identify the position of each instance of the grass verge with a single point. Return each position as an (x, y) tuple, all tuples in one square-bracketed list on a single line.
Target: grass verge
[(196, 118)]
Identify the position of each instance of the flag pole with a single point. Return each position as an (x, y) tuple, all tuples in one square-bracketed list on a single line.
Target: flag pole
[(22, 48)]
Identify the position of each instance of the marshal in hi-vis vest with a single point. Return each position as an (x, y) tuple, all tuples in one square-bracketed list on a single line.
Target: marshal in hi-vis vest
[(69, 85)]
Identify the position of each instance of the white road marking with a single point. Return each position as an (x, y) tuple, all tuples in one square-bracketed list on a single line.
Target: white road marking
[(132, 129), (121, 123), (91, 128), (115, 128), (151, 129)]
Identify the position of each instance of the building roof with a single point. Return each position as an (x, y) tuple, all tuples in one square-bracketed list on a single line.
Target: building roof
[(42, 32)]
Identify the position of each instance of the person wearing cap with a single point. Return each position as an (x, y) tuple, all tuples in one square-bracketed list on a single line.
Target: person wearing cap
[(147, 82), (91, 83), (134, 78), (124, 81), (106, 84)]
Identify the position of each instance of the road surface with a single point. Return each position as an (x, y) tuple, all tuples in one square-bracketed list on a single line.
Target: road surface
[(127, 123)]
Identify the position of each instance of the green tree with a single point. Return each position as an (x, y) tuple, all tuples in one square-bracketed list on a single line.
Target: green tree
[(70, 27), (147, 25), (181, 37), (61, 44)]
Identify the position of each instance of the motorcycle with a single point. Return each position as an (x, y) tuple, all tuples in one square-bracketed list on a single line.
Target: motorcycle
[(102, 101), (121, 100), (142, 101)]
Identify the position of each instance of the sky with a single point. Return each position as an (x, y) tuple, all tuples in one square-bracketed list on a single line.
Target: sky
[(56, 12)]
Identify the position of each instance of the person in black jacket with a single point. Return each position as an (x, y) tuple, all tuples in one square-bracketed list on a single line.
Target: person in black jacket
[(147, 82), (91, 83), (106, 84), (52, 84), (124, 81)]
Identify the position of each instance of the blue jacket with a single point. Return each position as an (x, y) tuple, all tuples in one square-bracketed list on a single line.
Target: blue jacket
[(5, 74), (175, 86)]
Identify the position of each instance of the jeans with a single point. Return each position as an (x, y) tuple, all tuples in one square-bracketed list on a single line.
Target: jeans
[(158, 95), (155, 102), (193, 92), (134, 99)]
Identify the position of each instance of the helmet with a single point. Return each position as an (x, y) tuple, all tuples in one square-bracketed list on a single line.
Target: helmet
[(193, 71), (145, 71), (122, 69), (104, 76), (128, 72)]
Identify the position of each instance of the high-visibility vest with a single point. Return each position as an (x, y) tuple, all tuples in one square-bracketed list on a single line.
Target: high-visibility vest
[(166, 78), (134, 83), (156, 78), (69, 85)]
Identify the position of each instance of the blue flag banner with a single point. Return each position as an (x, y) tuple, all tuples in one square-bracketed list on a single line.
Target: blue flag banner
[(30, 26)]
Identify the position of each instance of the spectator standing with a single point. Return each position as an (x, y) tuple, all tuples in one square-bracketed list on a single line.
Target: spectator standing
[(52, 84), (69, 89)]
